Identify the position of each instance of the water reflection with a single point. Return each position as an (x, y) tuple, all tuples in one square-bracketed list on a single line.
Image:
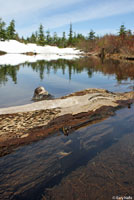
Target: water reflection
[(8, 71), (31, 170), (61, 77), (122, 70)]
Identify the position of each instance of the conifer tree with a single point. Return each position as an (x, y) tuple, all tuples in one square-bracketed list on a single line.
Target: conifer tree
[(91, 35), (129, 32), (64, 36), (55, 38), (41, 36), (33, 38), (64, 41), (48, 37), (11, 33), (2, 30), (70, 40), (122, 31), (80, 36)]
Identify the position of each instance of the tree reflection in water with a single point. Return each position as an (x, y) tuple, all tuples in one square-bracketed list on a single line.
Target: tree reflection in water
[(122, 70)]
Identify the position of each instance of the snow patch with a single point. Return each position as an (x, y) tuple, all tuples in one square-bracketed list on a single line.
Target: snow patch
[(16, 50), (13, 46)]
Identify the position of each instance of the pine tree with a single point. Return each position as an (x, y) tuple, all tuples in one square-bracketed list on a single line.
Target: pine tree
[(70, 40), (55, 38), (91, 35), (17, 37), (48, 37), (33, 38), (122, 31), (2, 30), (129, 32), (80, 36), (64, 36), (41, 36), (11, 33), (64, 41)]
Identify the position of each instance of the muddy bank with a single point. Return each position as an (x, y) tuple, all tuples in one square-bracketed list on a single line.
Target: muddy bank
[(24, 124), (120, 57), (116, 56)]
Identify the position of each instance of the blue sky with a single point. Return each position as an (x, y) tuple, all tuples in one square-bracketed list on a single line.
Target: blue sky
[(103, 16)]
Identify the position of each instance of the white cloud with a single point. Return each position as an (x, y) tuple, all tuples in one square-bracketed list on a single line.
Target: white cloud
[(33, 12), (21, 7), (91, 12)]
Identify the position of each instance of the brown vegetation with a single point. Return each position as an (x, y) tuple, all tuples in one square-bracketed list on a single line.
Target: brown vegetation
[(122, 46)]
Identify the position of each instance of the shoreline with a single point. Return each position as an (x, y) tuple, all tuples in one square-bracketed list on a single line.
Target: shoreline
[(22, 125), (117, 56)]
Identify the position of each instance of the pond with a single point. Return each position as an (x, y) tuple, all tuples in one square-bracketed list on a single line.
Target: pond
[(94, 162), (61, 77)]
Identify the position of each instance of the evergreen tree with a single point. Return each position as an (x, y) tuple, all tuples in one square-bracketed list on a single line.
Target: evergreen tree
[(64, 36), (36, 35), (2, 30), (22, 39), (64, 40), (55, 38), (129, 32), (80, 36), (48, 37), (41, 36), (17, 37), (11, 33), (27, 39), (91, 35), (70, 40), (122, 31), (33, 38)]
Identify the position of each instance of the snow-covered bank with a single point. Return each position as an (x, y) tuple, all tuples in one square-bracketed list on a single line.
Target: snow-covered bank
[(16, 53), (13, 46)]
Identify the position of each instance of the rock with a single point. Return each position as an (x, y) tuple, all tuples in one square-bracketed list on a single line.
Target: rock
[(2, 53), (41, 94), (25, 135), (30, 53)]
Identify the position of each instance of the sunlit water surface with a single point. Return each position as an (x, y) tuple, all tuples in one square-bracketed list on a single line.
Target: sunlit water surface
[(94, 162), (61, 77)]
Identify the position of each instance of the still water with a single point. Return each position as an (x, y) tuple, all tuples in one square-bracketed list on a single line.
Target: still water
[(95, 162), (61, 77)]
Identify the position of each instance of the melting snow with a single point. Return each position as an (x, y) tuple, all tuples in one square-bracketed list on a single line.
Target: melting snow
[(15, 50)]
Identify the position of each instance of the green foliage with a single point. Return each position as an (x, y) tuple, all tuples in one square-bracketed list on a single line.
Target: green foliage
[(121, 43), (64, 40), (2, 30), (33, 38), (48, 37), (91, 35), (70, 40), (11, 33), (122, 31), (55, 39), (41, 36), (129, 32)]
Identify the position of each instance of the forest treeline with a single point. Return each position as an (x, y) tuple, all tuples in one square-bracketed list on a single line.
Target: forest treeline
[(122, 42)]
